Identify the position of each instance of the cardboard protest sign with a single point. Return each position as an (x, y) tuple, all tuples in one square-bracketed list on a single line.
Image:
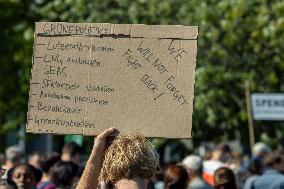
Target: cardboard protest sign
[(88, 77)]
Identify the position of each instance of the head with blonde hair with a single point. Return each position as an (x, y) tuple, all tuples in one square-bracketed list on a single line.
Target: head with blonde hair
[(127, 157)]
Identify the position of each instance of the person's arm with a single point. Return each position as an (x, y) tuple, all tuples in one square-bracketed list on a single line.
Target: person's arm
[(89, 179)]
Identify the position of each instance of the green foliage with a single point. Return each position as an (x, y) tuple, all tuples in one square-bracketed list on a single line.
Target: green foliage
[(238, 40), (16, 25)]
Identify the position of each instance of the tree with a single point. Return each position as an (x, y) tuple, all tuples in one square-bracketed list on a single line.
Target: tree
[(16, 39), (238, 41)]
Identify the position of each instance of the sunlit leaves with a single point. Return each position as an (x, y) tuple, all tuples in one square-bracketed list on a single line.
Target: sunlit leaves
[(239, 40)]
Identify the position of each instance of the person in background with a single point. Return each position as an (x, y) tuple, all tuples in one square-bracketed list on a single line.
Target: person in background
[(13, 157), (226, 154), (260, 150), (45, 164), (24, 175), (207, 155), (129, 162), (193, 165), (71, 152), (64, 175), (281, 153), (175, 177), (157, 181), (236, 165), (220, 156), (34, 159), (271, 178), (224, 178), (255, 170)]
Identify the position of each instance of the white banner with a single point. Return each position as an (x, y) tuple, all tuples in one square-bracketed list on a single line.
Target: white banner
[(268, 106)]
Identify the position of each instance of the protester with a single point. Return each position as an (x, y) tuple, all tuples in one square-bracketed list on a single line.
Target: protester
[(45, 164), (157, 181), (64, 175), (237, 162), (193, 164), (255, 169), (260, 150), (71, 152), (130, 162), (13, 157), (176, 177), (271, 178), (34, 159), (224, 178), (24, 175), (220, 156)]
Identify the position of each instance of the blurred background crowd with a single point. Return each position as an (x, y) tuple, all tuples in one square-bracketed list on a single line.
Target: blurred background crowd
[(220, 168)]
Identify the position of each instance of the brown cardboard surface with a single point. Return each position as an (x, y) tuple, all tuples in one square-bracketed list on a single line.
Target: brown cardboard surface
[(87, 77)]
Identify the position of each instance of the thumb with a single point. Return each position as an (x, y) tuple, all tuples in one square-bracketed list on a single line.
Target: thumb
[(106, 133)]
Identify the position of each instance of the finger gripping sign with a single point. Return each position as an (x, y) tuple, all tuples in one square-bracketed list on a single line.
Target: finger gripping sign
[(137, 78)]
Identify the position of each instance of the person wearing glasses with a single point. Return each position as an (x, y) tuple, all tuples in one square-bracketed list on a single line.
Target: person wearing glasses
[(24, 175)]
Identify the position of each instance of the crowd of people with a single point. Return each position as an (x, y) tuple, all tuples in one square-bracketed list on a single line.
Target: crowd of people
[(131, 162)]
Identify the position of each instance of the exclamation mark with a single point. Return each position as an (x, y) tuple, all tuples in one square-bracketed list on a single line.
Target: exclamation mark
[(158, 96)]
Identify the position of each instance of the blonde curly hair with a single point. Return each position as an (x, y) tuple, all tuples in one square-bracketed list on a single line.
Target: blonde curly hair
[(129, 156)]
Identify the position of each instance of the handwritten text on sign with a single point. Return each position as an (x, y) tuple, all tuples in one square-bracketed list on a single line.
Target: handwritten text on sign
[(87, 77)]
